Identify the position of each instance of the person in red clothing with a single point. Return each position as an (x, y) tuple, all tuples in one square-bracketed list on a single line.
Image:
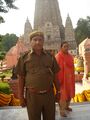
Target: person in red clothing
[(66, 78)]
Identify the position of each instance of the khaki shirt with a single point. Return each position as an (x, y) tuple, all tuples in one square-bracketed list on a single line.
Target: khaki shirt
[(38, 71)]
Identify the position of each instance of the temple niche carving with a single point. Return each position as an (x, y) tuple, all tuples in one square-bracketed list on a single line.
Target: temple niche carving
[(47, 18)]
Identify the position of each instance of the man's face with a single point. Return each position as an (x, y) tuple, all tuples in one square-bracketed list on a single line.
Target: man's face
[(37, 43)]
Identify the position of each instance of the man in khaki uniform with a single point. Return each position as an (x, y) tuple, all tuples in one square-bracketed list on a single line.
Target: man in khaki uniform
[(36, 70)]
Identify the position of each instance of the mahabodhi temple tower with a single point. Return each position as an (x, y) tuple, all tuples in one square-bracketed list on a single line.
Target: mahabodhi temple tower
[(47, 18)]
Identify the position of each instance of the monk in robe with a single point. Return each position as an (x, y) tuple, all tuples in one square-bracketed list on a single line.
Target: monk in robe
[(66, 78)]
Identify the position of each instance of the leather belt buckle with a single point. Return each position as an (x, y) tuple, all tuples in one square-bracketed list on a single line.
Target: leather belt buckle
[(43, 91)]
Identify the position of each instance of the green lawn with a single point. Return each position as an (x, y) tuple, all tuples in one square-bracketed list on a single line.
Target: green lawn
[(5, 88)]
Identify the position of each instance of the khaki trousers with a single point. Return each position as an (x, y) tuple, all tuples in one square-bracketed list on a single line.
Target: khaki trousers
[(38, 104)]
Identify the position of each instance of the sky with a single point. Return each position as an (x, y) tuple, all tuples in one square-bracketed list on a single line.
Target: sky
[(15, 19)]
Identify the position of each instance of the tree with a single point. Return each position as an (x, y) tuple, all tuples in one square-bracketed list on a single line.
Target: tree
[(2, 56), (1, 42), (82, 30), (5, 5), (8, 41), (1, 19)]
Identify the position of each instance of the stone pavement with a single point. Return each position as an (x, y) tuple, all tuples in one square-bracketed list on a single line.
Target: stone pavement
[(81, 111)]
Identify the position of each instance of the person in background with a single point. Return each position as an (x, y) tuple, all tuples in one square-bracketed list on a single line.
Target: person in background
[(36, 71), (14, 75), (66, 77)]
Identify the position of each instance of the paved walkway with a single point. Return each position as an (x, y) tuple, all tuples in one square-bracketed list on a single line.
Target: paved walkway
[(80, 112)]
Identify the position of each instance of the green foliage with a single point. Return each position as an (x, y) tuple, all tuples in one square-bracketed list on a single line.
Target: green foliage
[(5, 5), (2, 55), (1, 19), (2, 76), (0, 38), (82, 30), (6, 73), (5, 88), (8, 41)]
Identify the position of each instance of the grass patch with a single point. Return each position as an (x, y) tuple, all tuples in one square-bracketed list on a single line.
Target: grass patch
[(6, 73), (5, 88)]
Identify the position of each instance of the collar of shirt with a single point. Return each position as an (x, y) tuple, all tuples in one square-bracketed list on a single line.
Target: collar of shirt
[(32, 51)]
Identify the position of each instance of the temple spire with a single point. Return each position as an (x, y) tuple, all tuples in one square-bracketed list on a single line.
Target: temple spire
[(48, 19), (27, 31), (70, 34)]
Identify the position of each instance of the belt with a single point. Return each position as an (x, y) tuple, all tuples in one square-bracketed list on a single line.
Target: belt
[(33, 90)]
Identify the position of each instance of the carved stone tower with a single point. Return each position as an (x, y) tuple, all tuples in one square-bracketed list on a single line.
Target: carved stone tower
[(27, 31), (70, 35), (48, 19)]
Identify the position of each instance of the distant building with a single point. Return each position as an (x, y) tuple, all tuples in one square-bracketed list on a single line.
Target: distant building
[(14, 53), (27, 31), (70, 36), (47, 18)]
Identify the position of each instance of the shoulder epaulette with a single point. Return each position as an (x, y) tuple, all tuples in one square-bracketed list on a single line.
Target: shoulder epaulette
[(25, 54)]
